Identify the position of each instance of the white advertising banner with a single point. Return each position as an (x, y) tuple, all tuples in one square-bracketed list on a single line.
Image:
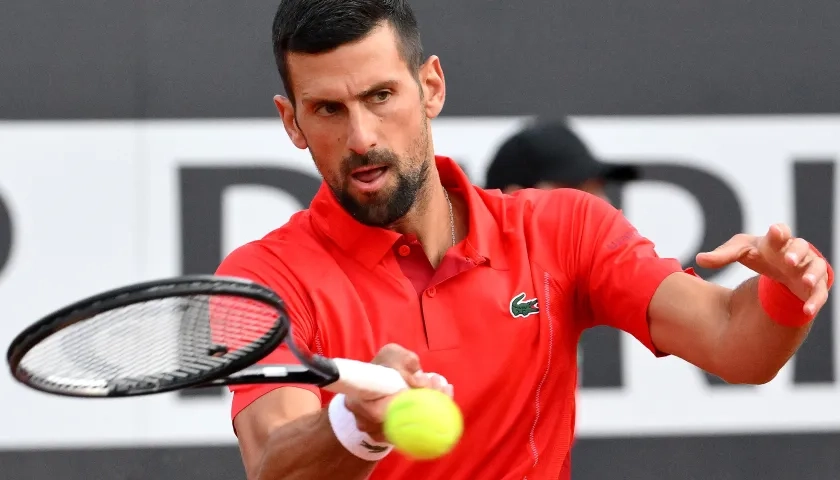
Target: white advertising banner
[(96, 205)]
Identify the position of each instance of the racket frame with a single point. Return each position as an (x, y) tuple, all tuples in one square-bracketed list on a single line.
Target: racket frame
[(189, 285)]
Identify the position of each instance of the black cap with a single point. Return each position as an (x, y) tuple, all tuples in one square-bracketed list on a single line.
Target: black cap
[(550, 152)]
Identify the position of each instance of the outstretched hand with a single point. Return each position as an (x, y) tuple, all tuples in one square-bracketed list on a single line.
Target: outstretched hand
[(779, 255)]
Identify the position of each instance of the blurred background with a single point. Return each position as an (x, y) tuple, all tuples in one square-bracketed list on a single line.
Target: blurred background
[(138, 140)]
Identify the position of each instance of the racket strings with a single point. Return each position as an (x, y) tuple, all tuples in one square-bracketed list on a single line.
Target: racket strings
[(153, 343)]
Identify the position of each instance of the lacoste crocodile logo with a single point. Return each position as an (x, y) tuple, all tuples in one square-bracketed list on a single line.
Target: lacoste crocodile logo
[(519, 307)]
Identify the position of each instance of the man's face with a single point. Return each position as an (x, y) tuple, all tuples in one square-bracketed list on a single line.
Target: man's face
[(364, 116)]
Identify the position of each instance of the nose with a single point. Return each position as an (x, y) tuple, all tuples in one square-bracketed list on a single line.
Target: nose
[(362, 133)]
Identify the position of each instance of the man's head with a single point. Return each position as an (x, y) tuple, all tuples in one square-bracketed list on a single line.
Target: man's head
[(360, 98), (550, 155)]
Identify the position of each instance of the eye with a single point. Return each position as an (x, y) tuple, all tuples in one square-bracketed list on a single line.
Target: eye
[(327, 109), (381, 96)]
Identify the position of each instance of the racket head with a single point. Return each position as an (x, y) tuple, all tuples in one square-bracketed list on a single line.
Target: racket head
[(75, 339)]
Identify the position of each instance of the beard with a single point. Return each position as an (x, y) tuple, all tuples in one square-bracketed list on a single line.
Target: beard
[(389, 205)]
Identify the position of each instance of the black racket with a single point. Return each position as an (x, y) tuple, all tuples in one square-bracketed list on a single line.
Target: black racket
[(177, 333)]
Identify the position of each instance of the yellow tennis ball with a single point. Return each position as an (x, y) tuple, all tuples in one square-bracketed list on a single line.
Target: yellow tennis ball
[(423, 424)]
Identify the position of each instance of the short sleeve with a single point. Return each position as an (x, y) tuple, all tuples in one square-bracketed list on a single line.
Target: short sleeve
[(252, 262), (618, 269)]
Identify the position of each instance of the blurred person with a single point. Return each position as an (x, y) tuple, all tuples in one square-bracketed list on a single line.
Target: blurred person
[(548, 154), (400, 260)]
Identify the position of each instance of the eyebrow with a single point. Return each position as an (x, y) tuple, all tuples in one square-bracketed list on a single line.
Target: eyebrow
[(385, 85)]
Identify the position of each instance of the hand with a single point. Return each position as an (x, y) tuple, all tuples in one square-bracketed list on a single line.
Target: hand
[(371, 412), (780, 256)]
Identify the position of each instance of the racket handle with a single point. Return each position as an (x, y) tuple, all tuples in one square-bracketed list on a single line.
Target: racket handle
[(365, 380)]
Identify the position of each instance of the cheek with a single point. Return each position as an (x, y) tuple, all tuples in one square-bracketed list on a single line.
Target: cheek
[(408, 111), (400, 124), (325, 145), (322, 133)]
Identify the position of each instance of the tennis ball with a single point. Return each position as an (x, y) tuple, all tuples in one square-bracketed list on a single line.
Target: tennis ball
[(423, 424)]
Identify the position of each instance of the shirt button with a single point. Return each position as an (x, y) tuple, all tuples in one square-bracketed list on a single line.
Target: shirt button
[(404, 250), (431, 291)]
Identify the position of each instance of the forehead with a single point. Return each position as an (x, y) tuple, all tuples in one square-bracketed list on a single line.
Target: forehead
[(348, 69)]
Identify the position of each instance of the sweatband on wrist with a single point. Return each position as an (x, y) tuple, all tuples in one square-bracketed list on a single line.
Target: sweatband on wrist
[(359, 443), (781, 305)]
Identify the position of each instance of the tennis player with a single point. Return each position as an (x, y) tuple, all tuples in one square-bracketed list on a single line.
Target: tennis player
[(400, 260)]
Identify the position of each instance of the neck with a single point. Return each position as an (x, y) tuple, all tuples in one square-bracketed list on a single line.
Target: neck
[(429, 220)]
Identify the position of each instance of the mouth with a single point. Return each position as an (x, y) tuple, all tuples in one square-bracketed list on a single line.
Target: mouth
[(369, 179)]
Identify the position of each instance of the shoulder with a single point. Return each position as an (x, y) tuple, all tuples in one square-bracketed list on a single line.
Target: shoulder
[(293, 250), (547, 209), (560, 226)]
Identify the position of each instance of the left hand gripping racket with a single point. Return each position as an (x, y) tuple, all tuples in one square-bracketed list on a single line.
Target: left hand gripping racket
[(171, 334)]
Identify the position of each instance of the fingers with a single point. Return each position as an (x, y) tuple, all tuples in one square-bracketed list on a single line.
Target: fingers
[(815, 278), (369, 416), (408, 364), (419, 380), (369, 413), (819, 295), (733, 250), (804, 265), (815, 270), (402, 360), (397, 357), (438, 382), (369, 426), (805, 271), (778, 235), (797, 252)]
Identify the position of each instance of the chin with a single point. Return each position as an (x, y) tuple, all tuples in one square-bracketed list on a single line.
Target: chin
[(380, 196)]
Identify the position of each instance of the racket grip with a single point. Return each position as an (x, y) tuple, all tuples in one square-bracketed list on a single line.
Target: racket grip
[(365, 380)]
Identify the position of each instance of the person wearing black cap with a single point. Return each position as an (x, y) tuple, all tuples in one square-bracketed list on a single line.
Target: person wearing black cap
[(549, 155)]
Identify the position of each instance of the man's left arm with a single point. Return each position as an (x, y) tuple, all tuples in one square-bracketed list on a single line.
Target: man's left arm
[(746, 334), (742, 335)]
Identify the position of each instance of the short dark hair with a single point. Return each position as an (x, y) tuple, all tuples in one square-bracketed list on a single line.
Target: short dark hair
[(317, 26)]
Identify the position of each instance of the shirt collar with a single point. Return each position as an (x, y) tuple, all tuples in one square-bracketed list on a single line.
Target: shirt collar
[(370, 244)]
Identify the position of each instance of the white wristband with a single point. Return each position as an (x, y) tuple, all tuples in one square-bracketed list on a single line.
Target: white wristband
[(355, 441)]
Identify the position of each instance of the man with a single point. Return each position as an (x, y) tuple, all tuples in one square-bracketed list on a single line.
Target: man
[(398, 254), (548, 154)]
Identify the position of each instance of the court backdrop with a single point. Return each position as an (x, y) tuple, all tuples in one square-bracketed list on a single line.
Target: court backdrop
[(90, 205)]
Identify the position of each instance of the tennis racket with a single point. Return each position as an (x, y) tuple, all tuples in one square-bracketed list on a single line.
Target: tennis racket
[(177, 333)]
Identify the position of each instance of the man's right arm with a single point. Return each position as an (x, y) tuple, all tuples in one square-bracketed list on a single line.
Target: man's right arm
[(283, 432), (286, 434)]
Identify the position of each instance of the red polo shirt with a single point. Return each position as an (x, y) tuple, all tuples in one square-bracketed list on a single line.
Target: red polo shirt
[(500, 318)]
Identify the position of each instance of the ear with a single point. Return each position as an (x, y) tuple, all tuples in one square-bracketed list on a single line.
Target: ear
[(287, 114), (434, 86)]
